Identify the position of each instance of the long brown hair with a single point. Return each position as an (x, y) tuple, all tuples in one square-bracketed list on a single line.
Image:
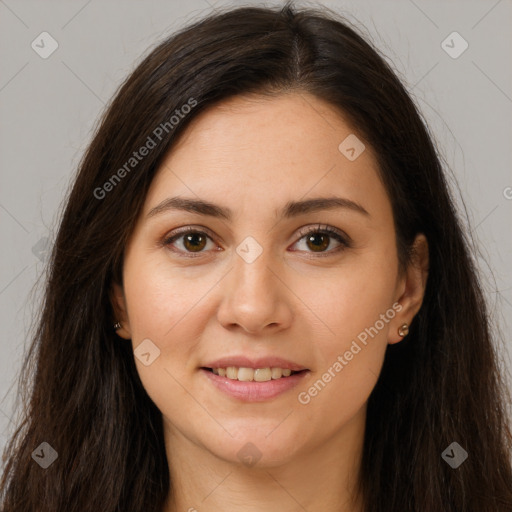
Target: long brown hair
[(440, 385)]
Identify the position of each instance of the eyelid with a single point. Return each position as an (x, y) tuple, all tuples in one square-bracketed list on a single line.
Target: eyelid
[(340, 236), (177, 233), (325, 228), (344, 240), (188, 229)]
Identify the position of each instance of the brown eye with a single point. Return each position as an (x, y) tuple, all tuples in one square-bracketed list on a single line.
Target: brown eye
[(194, 242), (188, 242), (318, 241)]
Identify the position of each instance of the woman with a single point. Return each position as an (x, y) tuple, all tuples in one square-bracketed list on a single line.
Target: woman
[(260, 296)]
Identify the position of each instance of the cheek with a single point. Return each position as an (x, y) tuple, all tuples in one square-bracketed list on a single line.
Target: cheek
[(351, 297), (165, 308), (169, 307), (350, 363), (161, 297), (355, 306)]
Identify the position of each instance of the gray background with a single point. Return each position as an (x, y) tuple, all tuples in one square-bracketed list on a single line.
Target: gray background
[(48, 109)]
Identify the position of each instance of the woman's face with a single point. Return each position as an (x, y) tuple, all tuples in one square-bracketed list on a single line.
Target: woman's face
[(259, 278)]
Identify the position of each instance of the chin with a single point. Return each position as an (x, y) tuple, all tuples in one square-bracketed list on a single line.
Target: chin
[(260, 450)]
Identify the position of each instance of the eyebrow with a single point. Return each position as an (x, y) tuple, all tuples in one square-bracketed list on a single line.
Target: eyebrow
[(291, 209)]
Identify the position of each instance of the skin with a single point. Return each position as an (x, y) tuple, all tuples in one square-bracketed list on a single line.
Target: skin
[(253, 155)]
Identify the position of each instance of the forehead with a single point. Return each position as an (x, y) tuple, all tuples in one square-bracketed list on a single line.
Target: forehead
[(263, 151)]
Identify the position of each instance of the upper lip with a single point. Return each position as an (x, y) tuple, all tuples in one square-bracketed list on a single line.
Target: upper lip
[(260, 362)]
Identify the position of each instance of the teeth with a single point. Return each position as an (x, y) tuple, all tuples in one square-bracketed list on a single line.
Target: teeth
[(245, 374), (231, 372), (250, 374), (276, 373)]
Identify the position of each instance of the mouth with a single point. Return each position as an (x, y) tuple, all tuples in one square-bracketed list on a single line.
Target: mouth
[(253, 384), (254, 379), (244, 374)]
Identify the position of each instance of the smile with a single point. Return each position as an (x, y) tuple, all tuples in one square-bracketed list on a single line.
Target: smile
[(253, 385), (252, 374)]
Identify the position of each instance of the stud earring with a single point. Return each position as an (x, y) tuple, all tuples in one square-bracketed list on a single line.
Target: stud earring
[(403, 330), (117, 326)]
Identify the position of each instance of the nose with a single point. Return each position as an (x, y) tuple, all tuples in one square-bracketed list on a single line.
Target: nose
[(255, 297)]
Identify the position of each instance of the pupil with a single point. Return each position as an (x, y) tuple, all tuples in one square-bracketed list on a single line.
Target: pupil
[(321, 245), (192, 240)]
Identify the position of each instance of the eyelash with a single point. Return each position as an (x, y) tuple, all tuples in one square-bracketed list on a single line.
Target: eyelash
[(344, 240)]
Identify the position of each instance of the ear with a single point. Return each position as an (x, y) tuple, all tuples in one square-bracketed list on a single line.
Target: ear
[(118, 302), (411, 288)]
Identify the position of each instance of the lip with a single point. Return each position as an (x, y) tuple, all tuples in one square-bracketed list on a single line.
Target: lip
[(253, 391), (261, 362)]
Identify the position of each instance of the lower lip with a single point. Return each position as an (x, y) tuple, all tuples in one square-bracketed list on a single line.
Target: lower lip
[(253, 391)]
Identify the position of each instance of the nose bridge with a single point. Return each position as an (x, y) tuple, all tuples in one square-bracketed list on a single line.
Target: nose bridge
[(252, 276), (254, 297)]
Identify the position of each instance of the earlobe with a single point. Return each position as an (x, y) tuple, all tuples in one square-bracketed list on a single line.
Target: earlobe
[(118, 301), (412, 289)]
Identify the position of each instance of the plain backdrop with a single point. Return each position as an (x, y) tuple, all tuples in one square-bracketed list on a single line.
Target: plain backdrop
[(49, 106)]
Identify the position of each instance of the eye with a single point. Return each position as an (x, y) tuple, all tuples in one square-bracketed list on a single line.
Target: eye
[(194, 241), (191, 240), (319, 239)]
